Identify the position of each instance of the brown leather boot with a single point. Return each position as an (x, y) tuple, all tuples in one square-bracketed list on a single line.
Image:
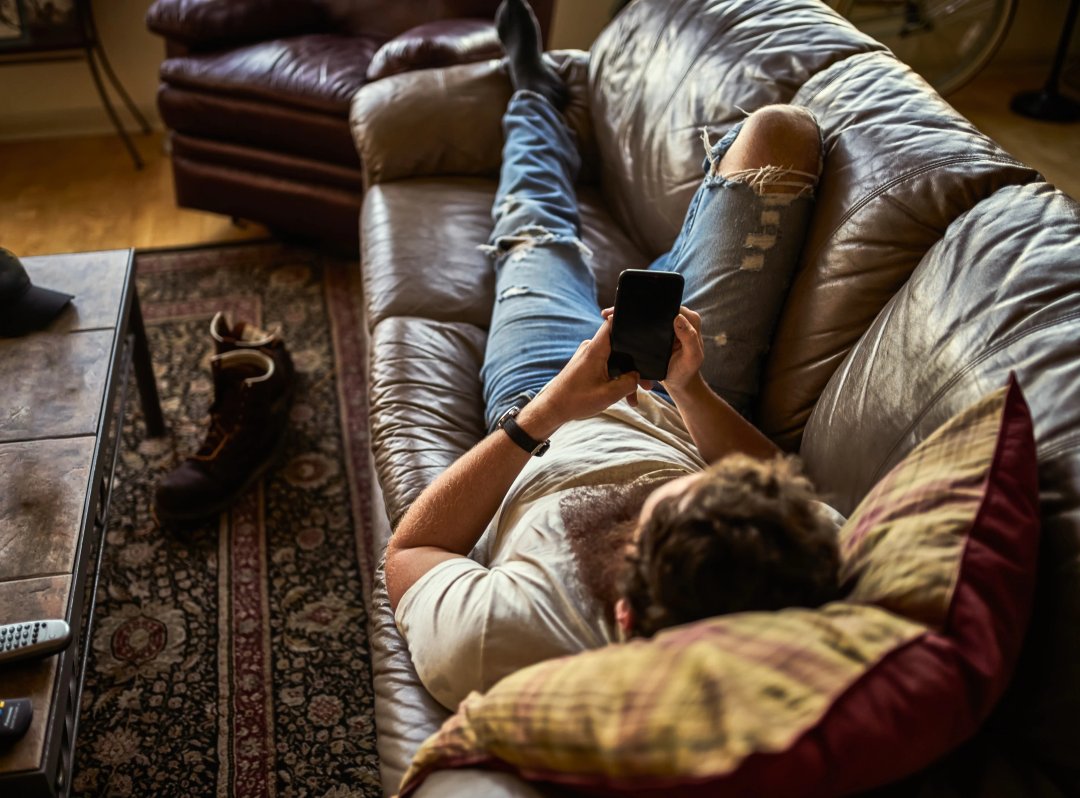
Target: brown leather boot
[(248, 419), (229, 337)]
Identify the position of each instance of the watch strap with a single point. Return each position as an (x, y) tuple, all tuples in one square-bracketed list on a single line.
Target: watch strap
[(508, 422)]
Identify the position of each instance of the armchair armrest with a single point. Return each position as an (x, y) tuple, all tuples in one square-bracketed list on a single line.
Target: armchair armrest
[(205, 24), (436, 44), (449, 121)]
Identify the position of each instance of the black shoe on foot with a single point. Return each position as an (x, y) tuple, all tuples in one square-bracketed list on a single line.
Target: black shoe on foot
[(519, 33)]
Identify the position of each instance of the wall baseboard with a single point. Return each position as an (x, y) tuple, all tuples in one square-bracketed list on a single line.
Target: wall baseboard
[(65, 123)]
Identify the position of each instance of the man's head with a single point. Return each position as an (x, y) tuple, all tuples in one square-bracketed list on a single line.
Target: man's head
[(743, 535)]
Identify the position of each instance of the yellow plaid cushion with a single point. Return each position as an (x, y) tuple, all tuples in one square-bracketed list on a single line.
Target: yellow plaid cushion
[(901, 548), (940, 559)]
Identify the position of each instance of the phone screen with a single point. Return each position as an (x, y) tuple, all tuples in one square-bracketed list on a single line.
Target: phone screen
[(642, 332)]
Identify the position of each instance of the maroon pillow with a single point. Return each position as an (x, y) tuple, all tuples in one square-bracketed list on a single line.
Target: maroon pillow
[(436, 44)]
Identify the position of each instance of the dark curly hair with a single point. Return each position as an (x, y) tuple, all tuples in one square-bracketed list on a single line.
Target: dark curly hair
[(745, 536)]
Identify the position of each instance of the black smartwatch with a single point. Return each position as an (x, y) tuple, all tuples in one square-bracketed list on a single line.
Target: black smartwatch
[(508, 422)]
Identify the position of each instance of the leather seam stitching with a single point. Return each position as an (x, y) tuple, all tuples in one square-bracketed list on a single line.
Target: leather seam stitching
[(1004, 343), (880, 190)]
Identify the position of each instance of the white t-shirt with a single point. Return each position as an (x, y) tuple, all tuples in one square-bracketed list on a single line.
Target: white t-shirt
[(517, 599)]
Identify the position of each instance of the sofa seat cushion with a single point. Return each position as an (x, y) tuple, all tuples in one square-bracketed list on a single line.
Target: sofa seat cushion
[(286, 204), (318, 72), (206, 25), (426, 407), (437, 271), (940, 560), (269, 163), (406, 714), (258, 124)]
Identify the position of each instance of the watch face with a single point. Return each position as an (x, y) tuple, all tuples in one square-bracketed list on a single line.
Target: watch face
[(511, 413)]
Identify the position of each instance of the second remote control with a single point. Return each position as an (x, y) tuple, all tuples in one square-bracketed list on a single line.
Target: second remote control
[(15, 715), (32, 639)]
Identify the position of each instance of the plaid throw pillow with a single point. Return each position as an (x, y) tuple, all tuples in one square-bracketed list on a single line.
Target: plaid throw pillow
[(940, 559)]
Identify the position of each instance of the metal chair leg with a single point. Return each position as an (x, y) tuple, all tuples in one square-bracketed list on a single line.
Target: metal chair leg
[(96, 75), (91, 27)]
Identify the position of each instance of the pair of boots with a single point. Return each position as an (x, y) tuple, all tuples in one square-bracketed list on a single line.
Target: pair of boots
[(253, 387)]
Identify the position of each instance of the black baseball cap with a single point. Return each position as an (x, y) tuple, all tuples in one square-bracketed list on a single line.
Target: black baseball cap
[(24, 307)]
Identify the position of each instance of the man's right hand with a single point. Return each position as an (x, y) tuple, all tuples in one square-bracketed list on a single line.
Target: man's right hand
[(582, 389), (687, 354)]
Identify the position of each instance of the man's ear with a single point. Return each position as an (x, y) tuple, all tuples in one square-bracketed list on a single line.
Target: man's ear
[(624, 618)]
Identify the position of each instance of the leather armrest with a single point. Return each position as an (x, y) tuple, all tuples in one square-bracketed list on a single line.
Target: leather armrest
[(405, 712), (205, 24), (449, 121), (436, 44)]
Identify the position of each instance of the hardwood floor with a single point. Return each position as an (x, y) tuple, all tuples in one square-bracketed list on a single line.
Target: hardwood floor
[(83, 194), (67, 195), (1052, 148)]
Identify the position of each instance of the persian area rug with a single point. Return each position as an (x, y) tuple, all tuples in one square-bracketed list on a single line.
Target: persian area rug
[(232, 659)]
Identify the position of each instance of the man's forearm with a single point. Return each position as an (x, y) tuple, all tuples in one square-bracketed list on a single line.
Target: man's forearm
[(455, 509), (717, 429), (451, 514)]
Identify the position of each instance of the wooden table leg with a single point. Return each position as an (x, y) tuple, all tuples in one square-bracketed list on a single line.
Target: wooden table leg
[(144, 372)]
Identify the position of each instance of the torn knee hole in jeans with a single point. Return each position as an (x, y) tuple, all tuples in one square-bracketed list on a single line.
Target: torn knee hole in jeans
[(524, 240), (509, 203), (764, 180), (513, 291), (758, 242)]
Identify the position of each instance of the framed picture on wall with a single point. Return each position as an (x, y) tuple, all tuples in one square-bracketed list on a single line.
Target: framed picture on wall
[(37, 25), (11, 24)]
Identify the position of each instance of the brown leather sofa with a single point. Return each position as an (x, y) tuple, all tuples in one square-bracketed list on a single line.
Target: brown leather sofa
[(935, 264), (256, 94)]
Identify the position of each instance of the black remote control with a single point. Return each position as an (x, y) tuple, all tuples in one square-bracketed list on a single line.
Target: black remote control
[(32, 639), (15, 715)]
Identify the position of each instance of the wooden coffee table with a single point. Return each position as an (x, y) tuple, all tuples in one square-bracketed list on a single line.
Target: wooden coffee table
[(61, 411)]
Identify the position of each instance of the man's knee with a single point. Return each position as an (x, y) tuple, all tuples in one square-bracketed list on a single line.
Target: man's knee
[(782, 136)]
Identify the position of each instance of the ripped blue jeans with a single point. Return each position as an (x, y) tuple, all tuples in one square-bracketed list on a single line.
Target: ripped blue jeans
[(737, 250)]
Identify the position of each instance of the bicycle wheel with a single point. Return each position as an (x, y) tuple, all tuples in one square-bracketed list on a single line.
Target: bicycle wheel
[(945, 41)]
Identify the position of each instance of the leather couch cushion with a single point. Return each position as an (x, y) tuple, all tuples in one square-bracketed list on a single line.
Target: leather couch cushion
[(391, 120), (289, 193), (320, 72), (998, 276), (212, 23), (391, 17), (436, 44), (426, 408), (405, 713), (901, 165), (301, 207), (436, 270), (271, 164), (662, 71), (258, 123)]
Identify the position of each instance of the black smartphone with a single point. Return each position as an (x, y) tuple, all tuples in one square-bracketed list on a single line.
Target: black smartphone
[(642, 331)]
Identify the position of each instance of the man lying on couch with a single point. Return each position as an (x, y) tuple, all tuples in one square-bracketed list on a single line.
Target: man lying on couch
[(621, 523)]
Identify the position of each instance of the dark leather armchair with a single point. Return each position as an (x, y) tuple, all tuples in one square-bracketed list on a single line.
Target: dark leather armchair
[(256, 96)]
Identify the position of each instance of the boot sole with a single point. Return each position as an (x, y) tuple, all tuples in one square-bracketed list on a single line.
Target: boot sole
[(220, 506)]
